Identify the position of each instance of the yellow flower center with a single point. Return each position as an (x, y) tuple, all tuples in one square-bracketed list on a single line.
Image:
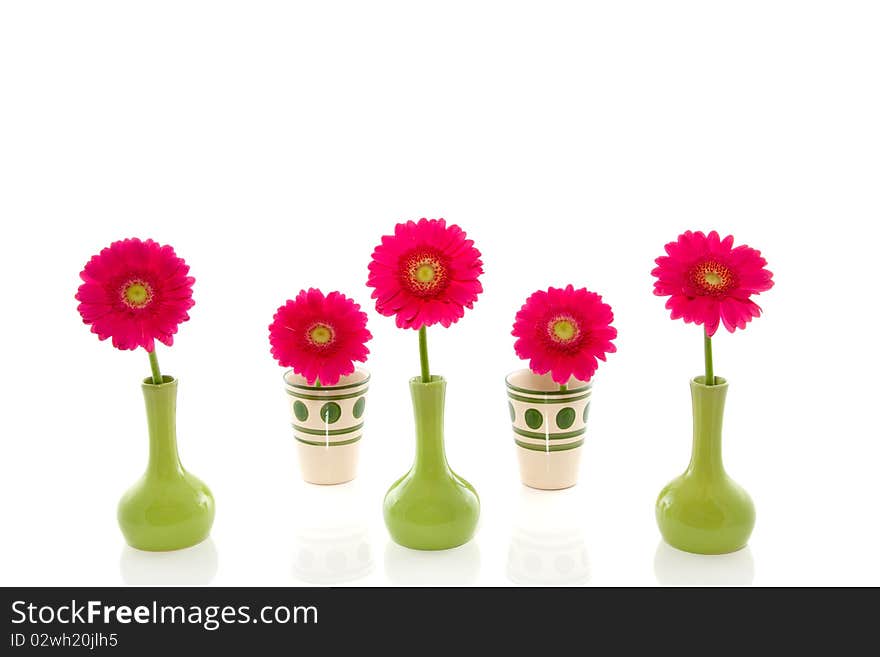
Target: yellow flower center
[(712, 278), (137, 294), (564, 329), (320, 334), (425, 273)]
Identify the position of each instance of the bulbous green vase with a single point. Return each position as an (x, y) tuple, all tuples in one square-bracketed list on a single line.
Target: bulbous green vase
[(431, 507), (704, 510), (168, 508)]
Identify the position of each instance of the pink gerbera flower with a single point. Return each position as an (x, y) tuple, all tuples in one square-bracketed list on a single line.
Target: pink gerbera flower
[(427, 272), (709, 282), (320, 337), (135, 292), (564, 331)]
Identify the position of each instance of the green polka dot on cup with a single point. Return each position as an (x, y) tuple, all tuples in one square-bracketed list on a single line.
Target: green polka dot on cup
[(359, 407), (565, 417), (534, 419), (300, 411), (330, 412)]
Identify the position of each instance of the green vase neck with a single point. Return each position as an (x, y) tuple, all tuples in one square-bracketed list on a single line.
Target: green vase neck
[(428, 404), (708, 410), (161, 403)]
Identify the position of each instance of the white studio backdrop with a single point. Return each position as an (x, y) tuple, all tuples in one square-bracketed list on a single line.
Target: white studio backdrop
[(273, 143)]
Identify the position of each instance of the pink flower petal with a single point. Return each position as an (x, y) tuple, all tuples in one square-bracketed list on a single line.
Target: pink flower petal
[(103, 303), (545, 351), (292, 346), (725, 298), (456, 267)]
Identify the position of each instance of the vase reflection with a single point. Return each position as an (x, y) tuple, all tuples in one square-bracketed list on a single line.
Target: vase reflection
[(189, 567), (547, 547), (332, 556), (454, 567), (673, 567), (331, 543)]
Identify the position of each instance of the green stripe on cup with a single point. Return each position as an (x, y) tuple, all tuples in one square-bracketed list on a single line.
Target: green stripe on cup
[(538, 400), (314, 443), (552, 436), (552, 448), (330, 432), (571, 391), (299, 395)]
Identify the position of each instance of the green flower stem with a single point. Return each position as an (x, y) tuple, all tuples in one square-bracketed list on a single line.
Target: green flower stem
[(423, 354), (563, 388), (707, 350), (154, 366)]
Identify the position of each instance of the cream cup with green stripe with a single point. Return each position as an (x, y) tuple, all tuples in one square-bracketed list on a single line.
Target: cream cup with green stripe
[(328, 424), (549, 425)]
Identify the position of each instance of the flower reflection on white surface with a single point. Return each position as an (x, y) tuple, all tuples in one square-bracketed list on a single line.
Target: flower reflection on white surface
[(547, 547), (331, 542), (676, 568), (456, 567), (192, 566)]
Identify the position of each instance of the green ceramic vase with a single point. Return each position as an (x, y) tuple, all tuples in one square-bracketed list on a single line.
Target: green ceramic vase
[(705, 511), (431, 507), (168, 508)]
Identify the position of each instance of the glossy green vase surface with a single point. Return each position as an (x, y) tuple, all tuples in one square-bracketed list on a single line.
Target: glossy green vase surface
[(430, 507), (168, 508), (704, 511)]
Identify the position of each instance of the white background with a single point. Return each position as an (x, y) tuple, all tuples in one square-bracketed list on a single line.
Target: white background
[(273, 143)]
